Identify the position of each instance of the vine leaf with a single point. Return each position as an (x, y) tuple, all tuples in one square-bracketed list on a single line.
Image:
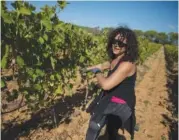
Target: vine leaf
[(6, 17), (3, 84), (45, 37), (20, 61), (52, 62), (58, 90), (37, 87), (41, 40), (5, 58), (47, 24), (62, 4), (40, 72), (24, 11)]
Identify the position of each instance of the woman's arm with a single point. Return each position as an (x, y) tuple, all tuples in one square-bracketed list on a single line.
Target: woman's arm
[(103, 66), (124, 70)]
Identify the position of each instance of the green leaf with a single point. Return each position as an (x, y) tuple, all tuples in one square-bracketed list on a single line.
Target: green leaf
[(37, 87), (58, 90), (58, 76), (39, 72), (6, 17), (52, 60), (34, 76), (41, 40), (25, 92), (5, 58), (45, 37), (47, 24), (51, 84), (3, 84), (45, 86), (24, 11), (70, 86), (59, 26), (52, 77), (45, 55), (30, 72), (82, 58), (20, 61), (62, 4)]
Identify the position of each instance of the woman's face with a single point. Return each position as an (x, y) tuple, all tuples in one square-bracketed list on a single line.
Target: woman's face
[(119, 45)]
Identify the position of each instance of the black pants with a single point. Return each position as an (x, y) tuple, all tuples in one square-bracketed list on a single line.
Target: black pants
[(113, 125), (114, 122), (96, 123)]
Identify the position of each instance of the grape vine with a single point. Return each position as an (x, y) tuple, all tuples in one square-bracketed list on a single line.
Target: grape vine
[(48, 53)]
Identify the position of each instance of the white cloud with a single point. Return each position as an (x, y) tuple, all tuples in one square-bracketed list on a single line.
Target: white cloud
[(171, 26)]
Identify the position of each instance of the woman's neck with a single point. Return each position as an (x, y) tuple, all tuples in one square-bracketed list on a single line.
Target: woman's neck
[(119, 56)]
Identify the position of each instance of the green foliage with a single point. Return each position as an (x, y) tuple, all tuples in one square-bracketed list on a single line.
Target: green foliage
[(48, 51), (146, 48), (151, 35), (139, 33), (24, 11), (171, 54), (20, 61), (4, 59), (163, 137), (62, 4), (173, 38), (3, 84), (162, 37), (158, 37), (6, 17)]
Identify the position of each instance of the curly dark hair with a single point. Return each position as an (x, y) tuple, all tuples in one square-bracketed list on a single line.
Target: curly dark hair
[(131, 53)]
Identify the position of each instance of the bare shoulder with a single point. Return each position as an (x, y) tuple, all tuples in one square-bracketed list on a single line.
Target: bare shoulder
[(127, 67)]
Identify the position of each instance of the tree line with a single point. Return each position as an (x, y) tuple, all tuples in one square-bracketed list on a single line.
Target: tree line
[(159, 37), (170, 38)]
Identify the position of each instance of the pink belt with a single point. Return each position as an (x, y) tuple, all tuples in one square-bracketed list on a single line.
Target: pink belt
[(117, 100)]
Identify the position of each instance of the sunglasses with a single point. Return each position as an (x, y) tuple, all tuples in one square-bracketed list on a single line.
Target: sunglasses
[(118, 44)]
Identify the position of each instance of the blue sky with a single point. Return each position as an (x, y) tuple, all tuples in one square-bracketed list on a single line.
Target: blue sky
[(161, 16)]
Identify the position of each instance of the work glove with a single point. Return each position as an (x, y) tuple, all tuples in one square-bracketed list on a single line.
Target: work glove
[(95, 70)]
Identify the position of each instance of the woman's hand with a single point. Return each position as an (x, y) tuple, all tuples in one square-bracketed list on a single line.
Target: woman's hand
[(103, 66), (95, 70), (99, 66)]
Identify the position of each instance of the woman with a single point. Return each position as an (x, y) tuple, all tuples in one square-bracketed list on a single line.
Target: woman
[(118, 104)]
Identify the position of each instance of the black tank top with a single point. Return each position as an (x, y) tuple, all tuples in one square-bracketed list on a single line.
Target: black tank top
[(125, 90)]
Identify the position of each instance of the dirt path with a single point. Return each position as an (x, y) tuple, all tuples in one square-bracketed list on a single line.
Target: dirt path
[(151, 105), (151, 108)]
